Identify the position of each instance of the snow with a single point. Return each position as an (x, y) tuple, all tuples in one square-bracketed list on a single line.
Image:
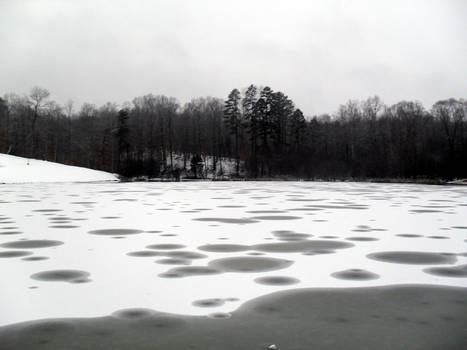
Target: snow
[(169, 213), (23, 170)]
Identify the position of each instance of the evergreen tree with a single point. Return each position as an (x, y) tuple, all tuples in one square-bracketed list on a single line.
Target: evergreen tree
[(232, 117), (251, 118)]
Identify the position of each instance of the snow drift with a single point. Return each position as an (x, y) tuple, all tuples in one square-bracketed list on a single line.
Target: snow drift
[(22, 170)]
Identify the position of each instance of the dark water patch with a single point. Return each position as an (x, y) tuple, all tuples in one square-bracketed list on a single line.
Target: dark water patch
[(425, 211), (438, 237), (71, 276), (182, 254), (60, 221), (460, 227), (46, 330), (224, 248), (32, 243), (231, 206), (154, 231), (304, 209), (451, 271), (249, 264), (188, 271), (166, 246), (35, 258), (434, 206), (125, 200), (214, 302), (28, 200), (115, 232), (409, 235), (277, 280), (362, 239), (266, 211), (10, 232), (328, 237), (305, 199), (319, 252), (228, 220), (9, 228), (276, 217), (173, 261), (110, 217), (144, 253), (168, 235), (133, 314), (366, 228), (47, 210), (285, 235), (300, 246), (416, 258), (83, 203), (255, 253), (220, 315), (355, 275), (350, 207), (64, 226), (14, 254), (118, 237)]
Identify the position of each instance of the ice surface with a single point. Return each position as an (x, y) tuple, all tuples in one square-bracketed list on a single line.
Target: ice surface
[(120, 239)]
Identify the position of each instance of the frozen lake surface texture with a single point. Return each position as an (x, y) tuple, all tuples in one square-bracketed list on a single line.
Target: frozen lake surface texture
[(199, 248)]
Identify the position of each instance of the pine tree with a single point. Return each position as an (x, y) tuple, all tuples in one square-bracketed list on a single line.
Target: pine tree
[(251, 118), (232, 117)]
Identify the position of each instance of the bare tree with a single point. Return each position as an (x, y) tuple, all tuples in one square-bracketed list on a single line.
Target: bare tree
[(38, 97)]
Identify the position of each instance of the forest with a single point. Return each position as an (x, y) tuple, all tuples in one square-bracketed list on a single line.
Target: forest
[(260, 130)]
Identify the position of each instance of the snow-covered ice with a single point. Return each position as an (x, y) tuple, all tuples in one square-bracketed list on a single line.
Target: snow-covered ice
[(203, 247), (23, 170)]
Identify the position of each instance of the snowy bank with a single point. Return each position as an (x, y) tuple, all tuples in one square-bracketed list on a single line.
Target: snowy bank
[(22, 170)]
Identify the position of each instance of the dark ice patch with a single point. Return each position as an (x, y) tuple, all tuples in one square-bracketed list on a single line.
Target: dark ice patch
[(228, 220), (14, 254), (214, 302), (166, 246), (301, 246), (249, 264), (276, 217), (173, 261), (362, 239), (115, 232), (188, 271), (277, 280), (416, 258), (32, 244), (144, 253), (35, 258), (451, 271), (355, 275), (71, 276), (224, 248)]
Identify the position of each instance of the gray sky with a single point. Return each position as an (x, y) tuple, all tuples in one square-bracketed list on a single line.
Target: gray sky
[(320, 53)]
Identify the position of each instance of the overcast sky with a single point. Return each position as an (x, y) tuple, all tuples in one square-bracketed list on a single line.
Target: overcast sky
[(320, 53)]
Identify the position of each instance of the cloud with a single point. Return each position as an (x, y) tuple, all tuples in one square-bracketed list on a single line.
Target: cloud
[(320, 53)]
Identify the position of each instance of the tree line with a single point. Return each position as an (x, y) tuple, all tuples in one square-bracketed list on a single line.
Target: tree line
[(259, 129)]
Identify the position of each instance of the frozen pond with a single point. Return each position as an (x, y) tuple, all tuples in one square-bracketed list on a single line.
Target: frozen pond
[(80, 250)]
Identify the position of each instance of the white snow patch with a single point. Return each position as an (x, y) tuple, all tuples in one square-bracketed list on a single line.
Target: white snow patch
[(23, 170)]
